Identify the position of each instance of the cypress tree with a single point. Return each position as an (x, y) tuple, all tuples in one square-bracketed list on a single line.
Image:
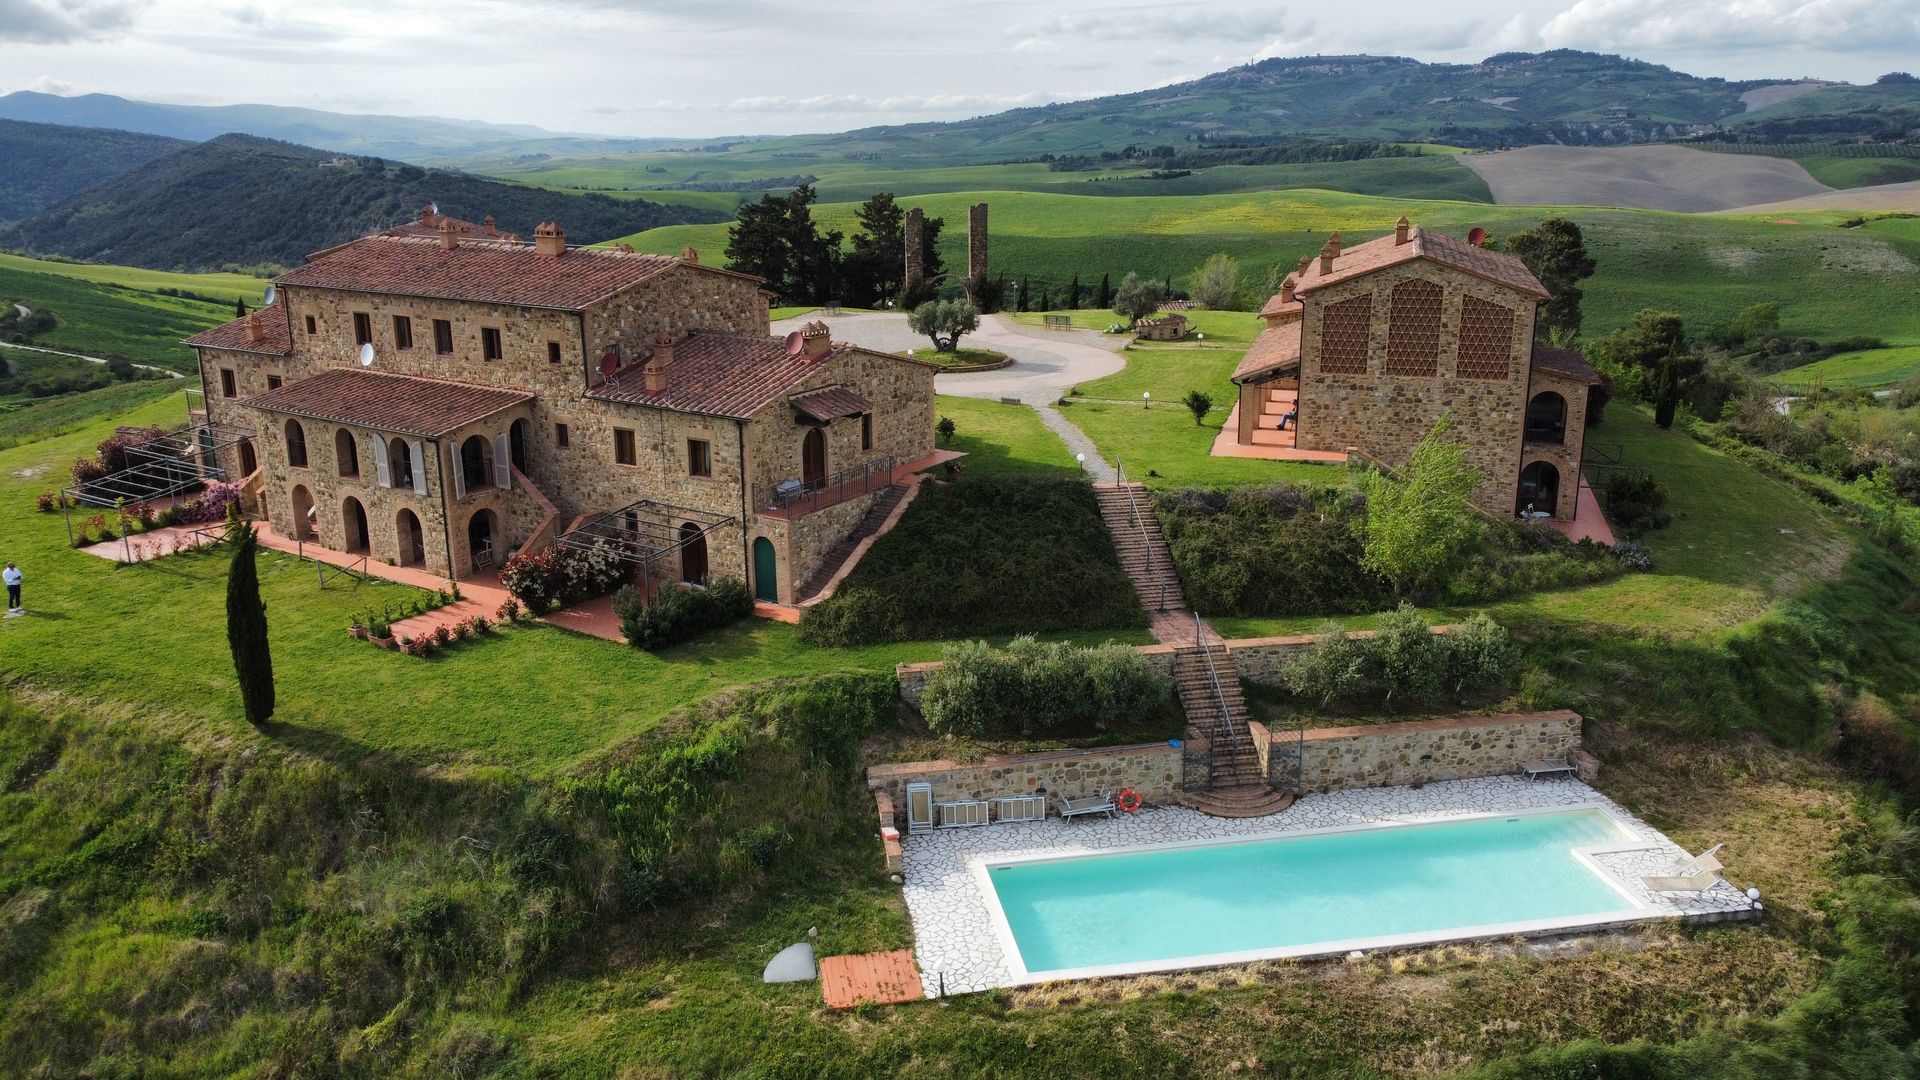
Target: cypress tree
[(1073, 293), (1666, 399), (247, 626), (1020, 296), (1104, 298), (240, 308)]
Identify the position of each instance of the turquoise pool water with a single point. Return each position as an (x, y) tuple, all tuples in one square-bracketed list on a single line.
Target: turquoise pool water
[(1189, 902)]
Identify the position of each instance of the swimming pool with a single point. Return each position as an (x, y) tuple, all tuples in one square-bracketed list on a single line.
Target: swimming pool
[(1308, 893)]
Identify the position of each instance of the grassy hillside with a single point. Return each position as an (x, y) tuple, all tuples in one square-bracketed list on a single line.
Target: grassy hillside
[(116, 311), (40, 164), (1852, 172), (1867, 370), (1831, 282), (239, 201)]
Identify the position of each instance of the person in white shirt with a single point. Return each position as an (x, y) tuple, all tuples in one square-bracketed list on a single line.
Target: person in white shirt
[(12, 577)]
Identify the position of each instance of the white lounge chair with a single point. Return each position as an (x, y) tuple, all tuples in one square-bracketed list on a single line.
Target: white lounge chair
[(1705, 874), (1087, 804), (1548, 767)]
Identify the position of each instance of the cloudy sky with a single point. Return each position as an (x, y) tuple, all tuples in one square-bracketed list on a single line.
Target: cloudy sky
[(711, 67)]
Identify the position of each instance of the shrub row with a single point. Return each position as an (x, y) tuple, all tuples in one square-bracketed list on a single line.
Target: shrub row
[(1041, 689), (681, 614), (1404, 662)]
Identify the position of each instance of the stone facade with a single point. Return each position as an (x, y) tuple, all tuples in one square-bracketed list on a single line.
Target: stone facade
[(1171, 327), (1421, 751), (557, 356), (1152, 769), (977, 243)]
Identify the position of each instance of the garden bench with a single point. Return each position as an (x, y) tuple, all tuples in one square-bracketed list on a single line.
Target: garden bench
[(1058, 322), (1547, 767)]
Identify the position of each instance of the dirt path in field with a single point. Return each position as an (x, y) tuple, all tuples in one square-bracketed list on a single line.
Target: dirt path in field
[(168, 372), (1646, 177)]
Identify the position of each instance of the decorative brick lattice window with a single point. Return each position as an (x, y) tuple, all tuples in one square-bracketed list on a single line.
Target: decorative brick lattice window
[(1343, 336), (1486, 340), (1413, 329)]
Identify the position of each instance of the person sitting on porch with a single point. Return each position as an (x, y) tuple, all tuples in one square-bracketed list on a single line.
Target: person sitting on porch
[(1286, 419)]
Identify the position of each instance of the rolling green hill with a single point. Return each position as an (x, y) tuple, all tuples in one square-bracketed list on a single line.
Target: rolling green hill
[(1831, 282), (40, 164), (239, 201), (119, 311)]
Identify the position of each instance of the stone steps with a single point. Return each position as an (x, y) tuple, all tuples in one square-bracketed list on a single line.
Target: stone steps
[(1128, 513), (837, 556), (1239, 801)]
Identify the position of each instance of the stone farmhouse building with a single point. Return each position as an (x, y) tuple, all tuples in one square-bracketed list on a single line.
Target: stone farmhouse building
[(1366, 347), (442, 395)]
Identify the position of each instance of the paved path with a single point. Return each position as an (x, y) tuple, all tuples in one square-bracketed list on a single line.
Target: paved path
[(1046, 363), (1077, 441), (168, 372)]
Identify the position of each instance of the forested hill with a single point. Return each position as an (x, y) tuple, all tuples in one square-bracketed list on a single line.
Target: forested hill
[(40, 164), (242, 202)]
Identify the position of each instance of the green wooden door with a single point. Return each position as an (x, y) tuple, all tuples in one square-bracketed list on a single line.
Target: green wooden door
[(766, 579)]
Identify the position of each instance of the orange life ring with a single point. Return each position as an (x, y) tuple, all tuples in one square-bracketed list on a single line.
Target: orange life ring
[(1129, 801)]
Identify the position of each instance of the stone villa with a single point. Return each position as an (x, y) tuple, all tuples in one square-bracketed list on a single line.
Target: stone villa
[(1366, 347), (442, 395)]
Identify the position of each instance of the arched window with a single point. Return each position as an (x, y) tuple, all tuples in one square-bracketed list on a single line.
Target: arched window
[(303, 516), (347, 452), (476, 462), (353, 517), (1547, 418), (400, 460), (296, 445)]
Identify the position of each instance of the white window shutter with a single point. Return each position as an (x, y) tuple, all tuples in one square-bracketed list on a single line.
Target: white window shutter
[(502, 464), (418, 454), (380, 463), (459, 474)]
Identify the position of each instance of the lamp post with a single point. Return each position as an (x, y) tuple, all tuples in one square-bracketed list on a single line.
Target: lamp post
[(1081, 460), (1146, 398)]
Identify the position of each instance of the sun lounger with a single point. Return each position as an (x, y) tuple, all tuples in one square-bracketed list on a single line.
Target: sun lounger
[(1703, 873), (1087, 804), (1547, 767)]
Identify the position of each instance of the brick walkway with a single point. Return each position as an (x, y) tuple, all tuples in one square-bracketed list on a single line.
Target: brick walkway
[(884, 978)]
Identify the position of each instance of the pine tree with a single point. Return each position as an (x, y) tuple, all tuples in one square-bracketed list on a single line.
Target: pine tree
[(247, 626)]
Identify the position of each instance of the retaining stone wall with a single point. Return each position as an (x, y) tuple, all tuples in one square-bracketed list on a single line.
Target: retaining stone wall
[(1423, 751), (1152, 769)]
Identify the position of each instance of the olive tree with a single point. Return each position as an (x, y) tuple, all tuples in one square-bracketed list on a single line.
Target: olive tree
[(1137, 299), (1419, 524), (944, 321)]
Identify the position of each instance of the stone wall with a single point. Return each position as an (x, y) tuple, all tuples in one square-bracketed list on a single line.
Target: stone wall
[(915, 227), (1152, 769), (1422, 751), (1387, 415)]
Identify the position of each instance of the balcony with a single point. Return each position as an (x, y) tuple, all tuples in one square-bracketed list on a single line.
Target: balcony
[(796, 498)]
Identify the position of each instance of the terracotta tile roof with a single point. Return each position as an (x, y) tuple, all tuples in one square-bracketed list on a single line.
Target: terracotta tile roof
[(402, 404), (830, 403), (419, 227), (1277, 347), (495, 271), (1564, 362), (1445, 250), (731, 375), (276, 336), (1275, 306)]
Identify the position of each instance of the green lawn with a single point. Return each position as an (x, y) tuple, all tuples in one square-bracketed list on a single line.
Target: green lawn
[(57, 416), (1004, 439), (1870, 369), (1852, 172), (961, 357)]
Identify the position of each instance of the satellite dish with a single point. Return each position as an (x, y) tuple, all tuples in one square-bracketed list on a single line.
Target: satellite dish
[(366, 354), (795, 342), (267, 297), (1476, 236)]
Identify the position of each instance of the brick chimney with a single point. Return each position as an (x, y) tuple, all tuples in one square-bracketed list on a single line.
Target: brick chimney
[(1329, 253), (549, 239), (487, 226), (690, 255), (256, 330), (1286, 290), (816, 340), (449, 235), (1402, 231), (429, 215), (1305, 261), (656, 369)]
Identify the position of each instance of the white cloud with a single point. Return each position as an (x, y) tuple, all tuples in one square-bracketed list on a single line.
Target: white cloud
[(1036, 45), (47, 84), (1168, 23), (61, 21), (1734, 24)]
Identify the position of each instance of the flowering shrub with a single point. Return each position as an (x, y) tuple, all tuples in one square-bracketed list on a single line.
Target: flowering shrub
[(442, 635), (478, 624), (508, 611), (87, 470), (113, 449), (568, 575), (210, 506), (48, 502)]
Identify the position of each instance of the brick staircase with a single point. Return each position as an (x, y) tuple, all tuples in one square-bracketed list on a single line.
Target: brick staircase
[(1204, 675), (1128, 513), (837, 556), (1273, 406)]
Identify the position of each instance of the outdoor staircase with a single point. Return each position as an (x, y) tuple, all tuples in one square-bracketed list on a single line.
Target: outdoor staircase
[(1127, 510), (1209, 690), (837, 556), (1266, 428)]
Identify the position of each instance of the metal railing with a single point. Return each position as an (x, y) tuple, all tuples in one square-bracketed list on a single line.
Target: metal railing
[(1228, 739), (1140, 526), (848, 483)]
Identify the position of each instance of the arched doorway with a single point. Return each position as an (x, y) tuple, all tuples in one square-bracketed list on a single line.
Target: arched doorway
[(480, 534), (693, 554), (354, 517), (1547, 418), (413, 545), (813, 459), (1539, 489), (296, 445), (766, 574), (249, 462), (303, 527), (517, 444), (346, 452), (476, 462)]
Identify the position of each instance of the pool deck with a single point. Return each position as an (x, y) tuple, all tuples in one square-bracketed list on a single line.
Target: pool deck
[(956, 927)]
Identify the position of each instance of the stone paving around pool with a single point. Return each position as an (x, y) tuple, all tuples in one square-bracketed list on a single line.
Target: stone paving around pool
[(953, 924)]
